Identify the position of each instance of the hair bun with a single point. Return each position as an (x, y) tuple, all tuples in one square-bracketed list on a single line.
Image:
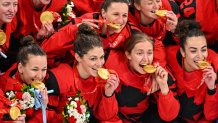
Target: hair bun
[(27, 40), (86, 30), (185, 26)]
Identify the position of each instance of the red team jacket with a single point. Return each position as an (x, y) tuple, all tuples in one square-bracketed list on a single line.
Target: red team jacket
[(132, 96), (8, 82), (196, 103), (92, 89)]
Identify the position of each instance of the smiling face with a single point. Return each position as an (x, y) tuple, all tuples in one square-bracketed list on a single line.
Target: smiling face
[(89, 64), (141, 54), (195, 50), (34, 69), (148, 8), (8, 9), (116, 13)]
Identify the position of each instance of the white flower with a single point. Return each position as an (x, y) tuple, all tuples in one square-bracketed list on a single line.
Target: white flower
[(70, 98), (73, 103), (27, 104), (69, 9), (10, 95), (76, 99), (71, 4)]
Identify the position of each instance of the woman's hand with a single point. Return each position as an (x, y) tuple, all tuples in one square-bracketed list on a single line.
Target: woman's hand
[(209, 76), (154, 87), (46, 30), (111, 85), (44, 94), (172, 21), (161, 77), (20, 119), (92, 23)]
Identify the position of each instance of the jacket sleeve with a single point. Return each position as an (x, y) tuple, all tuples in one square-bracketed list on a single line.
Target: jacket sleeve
[(60, 41), (210, 105), (159, 53), (37, 116), (168, 105), (107, 108)]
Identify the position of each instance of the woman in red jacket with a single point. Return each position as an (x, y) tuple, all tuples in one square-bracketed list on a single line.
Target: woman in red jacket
[(82, 76), (31, 65), (196, 86), (8, 9), (143, 15), (136, 85), (27, 21), (112, 11)]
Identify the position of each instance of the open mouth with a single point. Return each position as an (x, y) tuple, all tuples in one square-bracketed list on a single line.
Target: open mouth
[(142, 65), (153, 11), (95, 69)]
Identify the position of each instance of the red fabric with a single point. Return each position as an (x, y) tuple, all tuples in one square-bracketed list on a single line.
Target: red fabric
[(3, 107), (10, 83), (188, 82), (91, 89), (204, 12), (129, 78), (86, 6), (27, 16), (60, 41)]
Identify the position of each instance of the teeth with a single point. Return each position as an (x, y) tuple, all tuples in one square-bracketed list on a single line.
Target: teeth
[(95, 69), (142, 65)]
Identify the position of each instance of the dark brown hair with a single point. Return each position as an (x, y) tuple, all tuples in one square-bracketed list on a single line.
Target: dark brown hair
[(29, 47), (135, 39), (137, 1), (86, 40), (186, 29), (107, 3)]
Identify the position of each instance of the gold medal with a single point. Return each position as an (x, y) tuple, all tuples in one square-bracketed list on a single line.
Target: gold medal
[(203, 64), (14, 112), (115, 26), (103, 73), (46, 16), (2, 38), (149, 68), (161, 13), (38, 84)]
